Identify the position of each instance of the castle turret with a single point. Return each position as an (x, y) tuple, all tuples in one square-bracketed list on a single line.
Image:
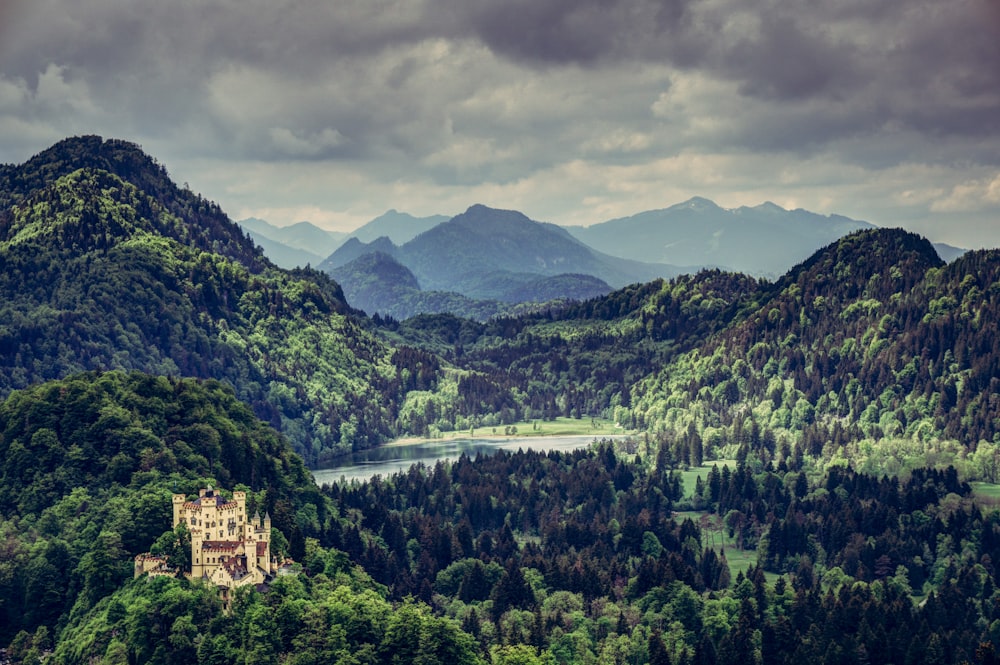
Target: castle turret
[(178, 501)]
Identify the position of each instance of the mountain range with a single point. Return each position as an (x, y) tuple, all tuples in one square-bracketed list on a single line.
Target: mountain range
[(304, 243), (294, 246), (764, 240), (107, 264), (490, 254), (466, 265)]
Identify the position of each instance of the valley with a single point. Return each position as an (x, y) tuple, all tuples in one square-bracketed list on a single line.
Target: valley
[(697, 467)]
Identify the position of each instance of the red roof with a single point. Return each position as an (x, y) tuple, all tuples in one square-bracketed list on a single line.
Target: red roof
[(220, 545), (235, 567)]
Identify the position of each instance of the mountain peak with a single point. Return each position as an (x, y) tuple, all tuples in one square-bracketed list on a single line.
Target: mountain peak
[(770, 206), (696, 204), (897, 257), (171, 211), (400, 227), (478, 209)]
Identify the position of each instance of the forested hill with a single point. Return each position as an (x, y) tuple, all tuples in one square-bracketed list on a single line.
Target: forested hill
[(105, 264), (176, 213), (871, 338), (87, 467)]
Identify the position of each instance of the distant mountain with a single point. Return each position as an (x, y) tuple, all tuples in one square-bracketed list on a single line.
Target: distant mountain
[(354, 249), (305, 236), (378, 284), (399, 227), (488, 254), (293, 246), (284, 256), (949, 253), (483, 240), (763, 240)]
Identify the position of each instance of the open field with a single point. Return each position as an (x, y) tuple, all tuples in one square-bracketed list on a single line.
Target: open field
[(690, 476), (987, 494), (714, 535), (561, 426)]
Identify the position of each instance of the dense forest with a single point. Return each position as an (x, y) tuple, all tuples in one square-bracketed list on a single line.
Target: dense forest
[(594, 556), (800, 480), (105, 264)]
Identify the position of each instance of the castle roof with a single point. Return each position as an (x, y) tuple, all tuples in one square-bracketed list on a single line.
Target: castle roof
[(221, 545), (236, 567), (215, 500)]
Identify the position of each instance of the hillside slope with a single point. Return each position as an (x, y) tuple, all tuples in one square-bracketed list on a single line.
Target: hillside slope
[(873, 337), (483, 240), (102, 272), (87, 467)]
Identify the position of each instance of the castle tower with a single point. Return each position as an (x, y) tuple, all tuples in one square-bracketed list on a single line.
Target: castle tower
[(178, 500), (264, 553)]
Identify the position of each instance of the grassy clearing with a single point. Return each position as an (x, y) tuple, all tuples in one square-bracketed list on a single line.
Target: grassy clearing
[(690, 476), (987, 495), (986, 490), (715, 536), (560, 427), (596, 427)]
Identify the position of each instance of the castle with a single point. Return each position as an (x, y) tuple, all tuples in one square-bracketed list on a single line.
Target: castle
[(227, 549)]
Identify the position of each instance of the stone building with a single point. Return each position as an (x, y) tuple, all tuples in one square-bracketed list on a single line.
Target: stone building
[(227, 549)]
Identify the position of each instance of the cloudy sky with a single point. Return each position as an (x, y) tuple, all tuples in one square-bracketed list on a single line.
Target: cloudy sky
[(572, 111)]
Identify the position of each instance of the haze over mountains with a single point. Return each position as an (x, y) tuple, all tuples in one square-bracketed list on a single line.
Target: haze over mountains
[(305, 243), (490, 254), (474, 262), (765, 240)]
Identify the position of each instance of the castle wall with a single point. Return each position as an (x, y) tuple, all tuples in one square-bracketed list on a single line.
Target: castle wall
[(218, 528)]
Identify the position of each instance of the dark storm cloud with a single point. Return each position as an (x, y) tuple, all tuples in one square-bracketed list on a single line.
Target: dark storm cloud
[(468, 93), (922, 64), (575, 31)]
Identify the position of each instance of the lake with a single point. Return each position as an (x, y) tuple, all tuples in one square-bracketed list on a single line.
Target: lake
[(386, 460)]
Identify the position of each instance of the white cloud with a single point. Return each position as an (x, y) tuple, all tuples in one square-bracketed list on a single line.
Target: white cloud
[(14, 94), (56, 92), (971, 196)]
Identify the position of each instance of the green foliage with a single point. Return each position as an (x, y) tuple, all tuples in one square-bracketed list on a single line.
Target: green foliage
[(87, 468), (864, 352), (832, 388), (300, 620), (107, 265)]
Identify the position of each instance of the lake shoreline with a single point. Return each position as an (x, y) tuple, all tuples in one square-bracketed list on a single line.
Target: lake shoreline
[(401, 454)]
